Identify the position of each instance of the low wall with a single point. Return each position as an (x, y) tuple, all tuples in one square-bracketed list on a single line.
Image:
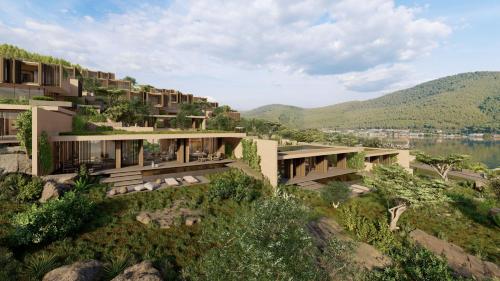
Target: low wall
[(268, 153)]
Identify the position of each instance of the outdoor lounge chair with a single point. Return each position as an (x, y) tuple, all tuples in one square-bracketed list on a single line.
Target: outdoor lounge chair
[(171, 182), (190, 179)]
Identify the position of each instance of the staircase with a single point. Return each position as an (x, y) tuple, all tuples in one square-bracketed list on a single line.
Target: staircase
[(127, 179)]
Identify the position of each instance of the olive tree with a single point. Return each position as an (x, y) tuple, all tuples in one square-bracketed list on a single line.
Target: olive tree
[(403, 191), (441, 164)]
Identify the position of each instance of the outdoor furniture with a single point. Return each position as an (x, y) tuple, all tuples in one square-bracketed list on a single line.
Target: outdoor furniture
[(171, 182), (190, 179)]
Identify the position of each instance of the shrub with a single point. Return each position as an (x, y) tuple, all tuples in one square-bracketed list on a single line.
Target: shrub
[(53, 220), (356, 161), (335, 192), (9, 266), (31, 190), (45, 98), (495, 186), (234, 184), (38, 266), (9, 185), (268, 243), (23, 124)]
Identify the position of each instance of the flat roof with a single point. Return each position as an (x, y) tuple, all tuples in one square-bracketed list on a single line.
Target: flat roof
[(371, 152), (315, 150), (148, 136)]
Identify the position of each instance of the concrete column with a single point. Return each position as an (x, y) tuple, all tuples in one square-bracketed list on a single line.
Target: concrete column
[(141, 153), (221, 146), (204, 124), (39, 74), (118, 154), (180, 151), (342, 160)]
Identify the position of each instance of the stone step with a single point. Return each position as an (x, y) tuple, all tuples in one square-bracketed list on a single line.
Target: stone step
[(123, 174), (118, 179), (128, 183)]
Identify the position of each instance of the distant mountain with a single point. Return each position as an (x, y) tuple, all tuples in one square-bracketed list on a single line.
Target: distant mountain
[(450, 103)]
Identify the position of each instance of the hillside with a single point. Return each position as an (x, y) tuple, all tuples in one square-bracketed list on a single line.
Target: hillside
[(453, 102)]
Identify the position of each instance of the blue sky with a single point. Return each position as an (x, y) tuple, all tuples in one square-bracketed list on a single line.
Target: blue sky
[(251, 53)]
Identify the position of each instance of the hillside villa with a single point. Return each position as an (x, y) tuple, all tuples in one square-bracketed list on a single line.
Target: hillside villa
[(158, 149)]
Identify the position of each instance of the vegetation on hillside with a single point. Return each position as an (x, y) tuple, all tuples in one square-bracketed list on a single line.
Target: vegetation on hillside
[(10, 51), (450, 103)]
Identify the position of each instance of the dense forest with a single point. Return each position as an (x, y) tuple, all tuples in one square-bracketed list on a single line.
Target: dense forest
[(467, 100), (10, 51)]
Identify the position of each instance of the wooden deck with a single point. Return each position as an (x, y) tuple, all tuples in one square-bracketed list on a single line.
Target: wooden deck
[(171, 165), (313, 176)]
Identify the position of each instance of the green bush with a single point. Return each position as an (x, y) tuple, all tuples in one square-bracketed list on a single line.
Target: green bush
[(9, 266), (335, 192), (367, 230), (20, 187), (31, 190), (23, 124), (411, 262), (356, 161), (268, 243), (38, 266), (53, 220), (45, 98), (234, 184)]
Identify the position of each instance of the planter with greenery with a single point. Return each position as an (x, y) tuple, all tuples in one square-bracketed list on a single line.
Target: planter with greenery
[(250, 155)]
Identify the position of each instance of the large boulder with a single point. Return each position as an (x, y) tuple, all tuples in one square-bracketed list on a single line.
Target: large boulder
[(15, 162), (52, 190), (143, 271), (458, 260), (79, 271)]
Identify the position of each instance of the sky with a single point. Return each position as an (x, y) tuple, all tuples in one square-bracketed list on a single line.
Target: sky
[(251, 53)]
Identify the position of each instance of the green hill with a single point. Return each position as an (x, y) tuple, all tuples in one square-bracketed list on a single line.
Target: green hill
[(450, 103)]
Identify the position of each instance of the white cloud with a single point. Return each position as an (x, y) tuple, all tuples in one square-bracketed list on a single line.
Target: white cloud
[(379, 77), (364, 42)]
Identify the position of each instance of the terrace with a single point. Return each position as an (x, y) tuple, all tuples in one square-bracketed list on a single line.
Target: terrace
[(305, 163)]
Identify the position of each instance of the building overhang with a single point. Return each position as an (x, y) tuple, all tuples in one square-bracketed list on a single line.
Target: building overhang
[(379, 152), (327, 150), (146, 136)]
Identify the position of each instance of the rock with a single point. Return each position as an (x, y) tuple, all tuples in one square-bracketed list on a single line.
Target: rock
[(175, 215), (149, 186), (493, 212), (139, 187), (79, 271), (122, 190), (52, 190), (112, 192), (143, 217), (143, 271), (15, 162), (192, 220), (60, 178), (462, 263), (364, 255)]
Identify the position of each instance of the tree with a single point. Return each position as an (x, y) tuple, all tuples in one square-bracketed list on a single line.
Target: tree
[(442, 165), (132, 80), (23, 124), (181, 121), (128, 111), (403, 190)]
